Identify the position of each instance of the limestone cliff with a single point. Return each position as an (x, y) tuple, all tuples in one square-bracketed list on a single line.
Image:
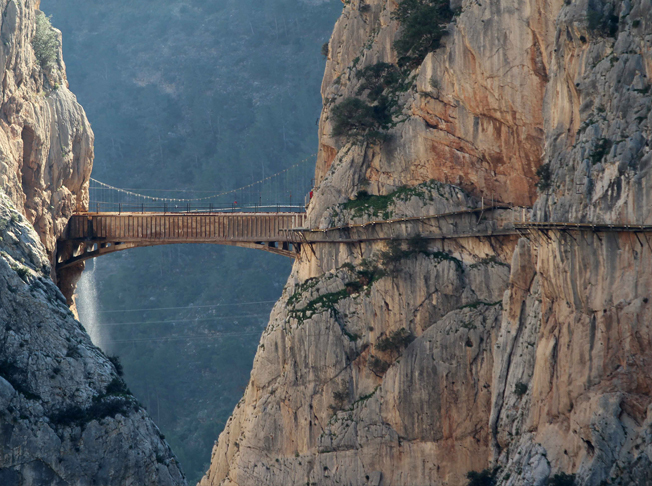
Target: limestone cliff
[(66, 416), (417, 362)]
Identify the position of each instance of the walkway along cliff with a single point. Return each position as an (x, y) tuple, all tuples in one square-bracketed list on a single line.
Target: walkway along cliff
[(66, 416), (416, 361)]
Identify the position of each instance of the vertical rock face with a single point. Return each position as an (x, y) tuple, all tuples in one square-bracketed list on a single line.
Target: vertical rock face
[(66, 417), (415, 364), (46, 142)]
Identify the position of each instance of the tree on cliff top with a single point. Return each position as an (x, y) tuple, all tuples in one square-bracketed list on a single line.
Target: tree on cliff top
[(45, 41)]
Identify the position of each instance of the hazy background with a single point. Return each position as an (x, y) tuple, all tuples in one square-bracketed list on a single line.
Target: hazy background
[(188, 95)]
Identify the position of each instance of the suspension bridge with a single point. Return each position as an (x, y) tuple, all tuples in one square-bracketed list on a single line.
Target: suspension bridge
[(261, 218)]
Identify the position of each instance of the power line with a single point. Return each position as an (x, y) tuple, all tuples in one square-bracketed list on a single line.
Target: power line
[(175, 321), (183, 338), (187, 307)]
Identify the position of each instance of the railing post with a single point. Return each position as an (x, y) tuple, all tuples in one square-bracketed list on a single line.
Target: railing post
[(98, 207), (165, 208), (210, 207), (188, 208), (119, 208), (142, 208)]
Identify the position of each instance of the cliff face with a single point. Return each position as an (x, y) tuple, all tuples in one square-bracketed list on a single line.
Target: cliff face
[(415, 364), (46, 142), (66, 417)]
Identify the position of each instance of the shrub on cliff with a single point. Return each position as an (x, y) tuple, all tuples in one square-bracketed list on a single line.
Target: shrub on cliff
[(45, 41), (562, 479), (423, 24), (379, 78), (483, 478), (545, 178), (395, 341), (377, 366), (359, 121)]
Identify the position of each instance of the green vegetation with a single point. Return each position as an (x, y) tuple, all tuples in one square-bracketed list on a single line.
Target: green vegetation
[(544, 173), (423, 24), (520, 389), (491, 261), (377, 366), (22, 271), (600, 150), (368, 204), (325, 49), (117, 399), (115, 360), (364, 276), (369, 272), (394, 254), (359, 121), (562, 479), (382, 80), (323, 303), (340, 397), (478, 303), (12, 373), (367, 121), (100, 409), (395, 342), (483, 478), (117, 387), (45, 42)]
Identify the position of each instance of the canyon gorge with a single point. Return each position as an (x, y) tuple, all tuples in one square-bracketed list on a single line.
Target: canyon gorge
[(392, 358)]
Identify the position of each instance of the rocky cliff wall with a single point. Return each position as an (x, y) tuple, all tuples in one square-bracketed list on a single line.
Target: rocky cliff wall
[(66, 417), (415, 364), (46, 142)]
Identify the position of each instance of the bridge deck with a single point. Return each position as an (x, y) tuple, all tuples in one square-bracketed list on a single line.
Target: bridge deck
[(103, 233)]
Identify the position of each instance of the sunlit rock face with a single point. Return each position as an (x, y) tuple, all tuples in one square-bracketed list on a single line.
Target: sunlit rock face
[(46, 142), (529, 355)]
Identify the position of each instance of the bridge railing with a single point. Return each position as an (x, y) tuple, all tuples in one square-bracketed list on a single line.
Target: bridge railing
[(166, 207)]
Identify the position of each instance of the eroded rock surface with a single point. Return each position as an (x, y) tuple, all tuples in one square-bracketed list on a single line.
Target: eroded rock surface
[(66, 416)]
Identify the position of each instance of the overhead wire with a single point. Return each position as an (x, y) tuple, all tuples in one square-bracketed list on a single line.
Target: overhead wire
[(205, 198), (175, 321), (187, 307)]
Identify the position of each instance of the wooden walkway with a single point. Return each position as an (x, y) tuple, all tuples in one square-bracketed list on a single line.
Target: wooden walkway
[(283, 233), (103, 233)]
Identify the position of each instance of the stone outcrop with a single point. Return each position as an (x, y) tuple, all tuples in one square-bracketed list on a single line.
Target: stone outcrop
[(387, 364), (66, 416)]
